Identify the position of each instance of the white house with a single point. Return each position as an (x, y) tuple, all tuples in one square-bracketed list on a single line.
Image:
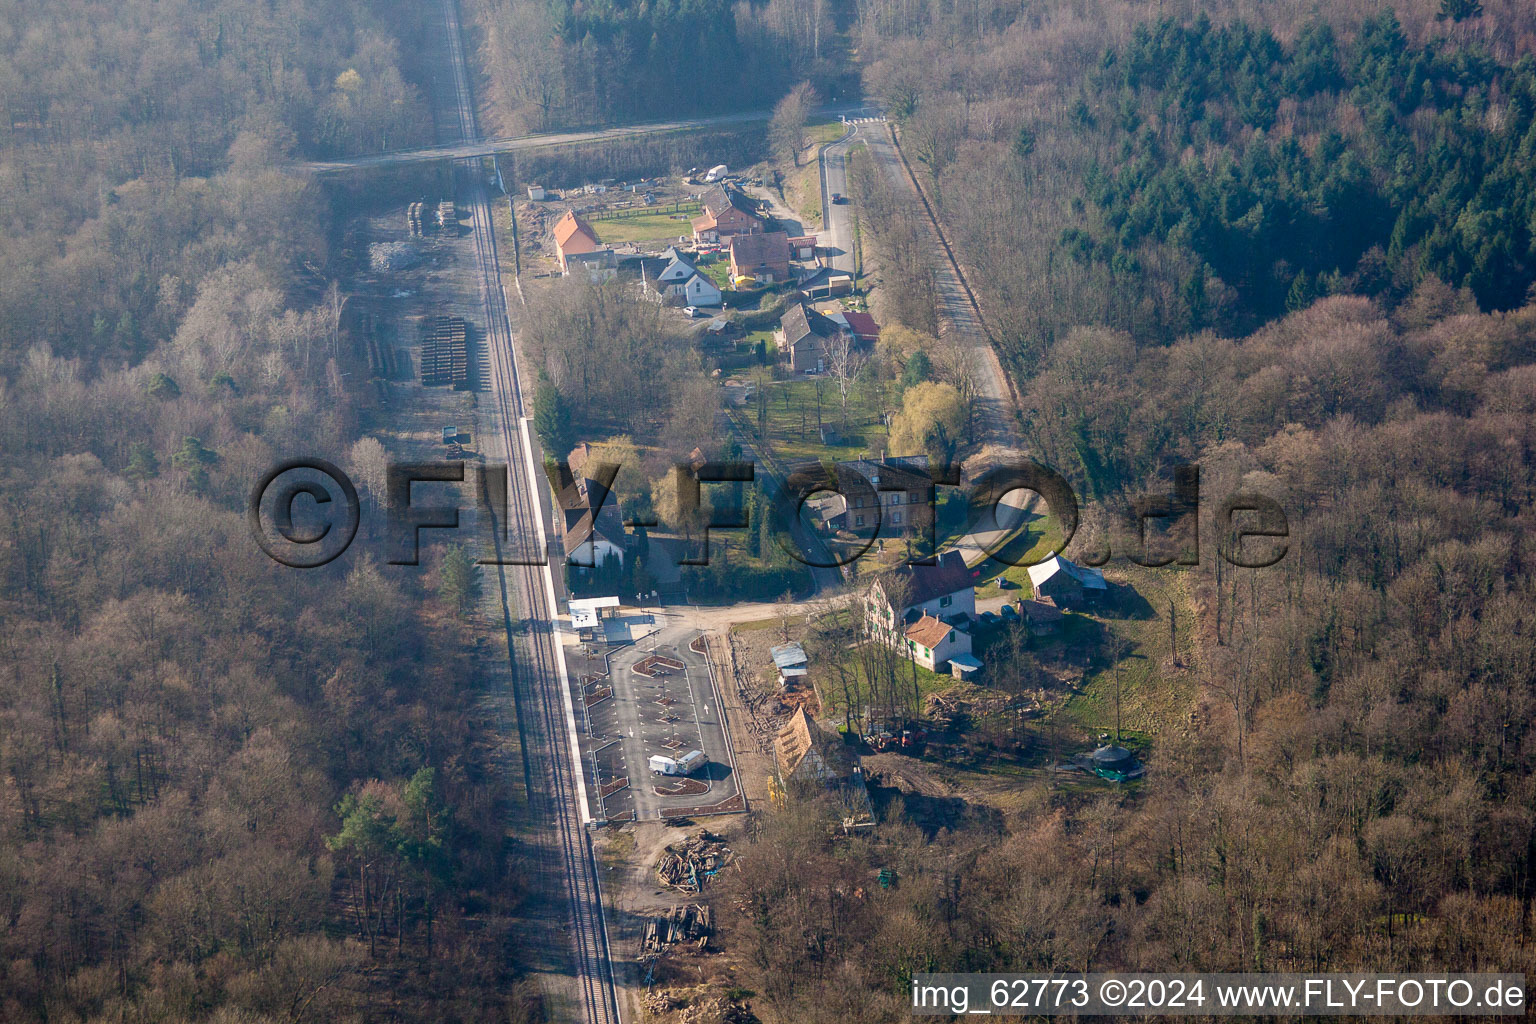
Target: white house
[(681, 280), (932, 642), (905, 595), (592, 524)]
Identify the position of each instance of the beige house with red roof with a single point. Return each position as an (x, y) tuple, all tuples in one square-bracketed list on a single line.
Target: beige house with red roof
[(574, 235), (931, 642)]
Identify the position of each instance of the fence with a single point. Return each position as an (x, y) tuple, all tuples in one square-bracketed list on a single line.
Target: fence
[(644, 211)]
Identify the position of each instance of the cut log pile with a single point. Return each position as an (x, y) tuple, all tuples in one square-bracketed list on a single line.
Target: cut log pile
[(691, 922), (685, 865)]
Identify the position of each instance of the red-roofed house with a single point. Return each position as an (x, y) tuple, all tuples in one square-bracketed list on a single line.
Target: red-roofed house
[(864, 328), (764, 256), (574, 235), (931, 642)]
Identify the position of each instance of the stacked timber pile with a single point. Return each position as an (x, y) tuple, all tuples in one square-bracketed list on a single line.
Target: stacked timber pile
[(692, 922), (685, 865), (445, 352), (413, 218), (446, 214)]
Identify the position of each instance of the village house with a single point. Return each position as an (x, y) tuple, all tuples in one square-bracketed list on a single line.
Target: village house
[(906, 594), (893, 494), (674, 278), (599, 266), (592, 525), (764, 256), (573, 235), (865, 331), (1067, 584), (807, 759), (807, 338), (933, 643), (727, 213)]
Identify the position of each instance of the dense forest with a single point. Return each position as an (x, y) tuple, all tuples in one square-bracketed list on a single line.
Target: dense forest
[(1361, 795), (555, 63), (228, 790), (1173, 175)]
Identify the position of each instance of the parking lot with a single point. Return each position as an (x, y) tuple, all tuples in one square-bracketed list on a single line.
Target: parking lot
[(653, 696)]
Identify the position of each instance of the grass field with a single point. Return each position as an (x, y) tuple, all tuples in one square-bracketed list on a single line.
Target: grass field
[(1156, 696), (792, 421), (648, 227), (822, 133), (802, 191), (1014, 558)]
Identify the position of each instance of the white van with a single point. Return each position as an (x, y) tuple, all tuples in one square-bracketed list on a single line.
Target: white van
[(685, 765)]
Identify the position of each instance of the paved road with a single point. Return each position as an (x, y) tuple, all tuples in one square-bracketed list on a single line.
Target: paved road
[(470, 148), (959, 317), (545, 714), (837, 218)]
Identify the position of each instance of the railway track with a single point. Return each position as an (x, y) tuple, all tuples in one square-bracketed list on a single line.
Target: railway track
[(545, 718)]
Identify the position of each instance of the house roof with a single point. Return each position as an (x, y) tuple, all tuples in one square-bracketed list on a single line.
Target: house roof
[(968, 662), (577, 500), (801, 322), (570, 226), (862, 324), (1088, 579), (802, 743), (1041, 612), (719, 199), (904, 471), (929, 631), (763, 247), (601, 258), (927, 582)]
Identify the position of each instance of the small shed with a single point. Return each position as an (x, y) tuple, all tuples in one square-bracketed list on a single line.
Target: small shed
[(536, 193), (791, 662), (964, 666), (1042, 618)]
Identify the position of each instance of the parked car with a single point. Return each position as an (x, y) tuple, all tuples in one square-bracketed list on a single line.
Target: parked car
[(693, 312)]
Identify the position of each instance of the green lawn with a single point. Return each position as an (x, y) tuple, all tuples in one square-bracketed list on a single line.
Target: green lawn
[(824, 132), (1156, 696), (830, 687), (792, 421), (1040, 535), (648, 227), (718, 270)]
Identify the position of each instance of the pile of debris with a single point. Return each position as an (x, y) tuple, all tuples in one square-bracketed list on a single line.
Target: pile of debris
[(966, 699), (386, 256), (692, 922), (685, 865)]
